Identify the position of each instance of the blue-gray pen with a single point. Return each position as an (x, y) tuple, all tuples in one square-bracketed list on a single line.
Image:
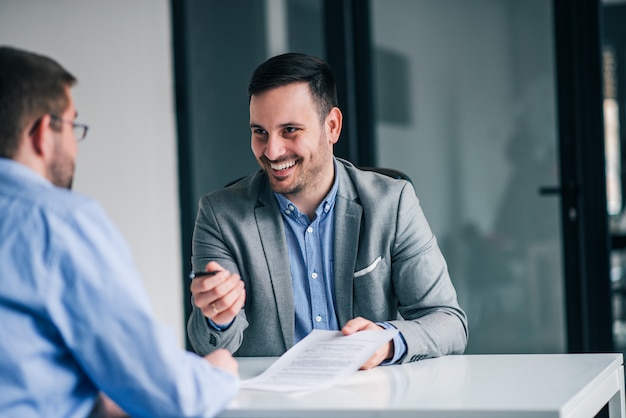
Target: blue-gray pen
[(195, 274)]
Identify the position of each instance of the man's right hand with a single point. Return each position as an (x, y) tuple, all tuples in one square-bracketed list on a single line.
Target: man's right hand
[(222, 359), (220, 297)]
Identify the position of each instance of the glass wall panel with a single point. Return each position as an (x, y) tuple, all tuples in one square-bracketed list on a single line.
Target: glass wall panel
[(466, 106)]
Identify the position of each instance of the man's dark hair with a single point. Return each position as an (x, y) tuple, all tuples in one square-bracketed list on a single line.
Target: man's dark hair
[(31, 86), (293, 67)]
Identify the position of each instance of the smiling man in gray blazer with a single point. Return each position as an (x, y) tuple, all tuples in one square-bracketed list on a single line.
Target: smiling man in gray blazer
[(312, 242)]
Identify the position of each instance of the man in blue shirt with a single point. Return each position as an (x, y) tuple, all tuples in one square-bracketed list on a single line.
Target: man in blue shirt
[(77, 334), (312, 242)]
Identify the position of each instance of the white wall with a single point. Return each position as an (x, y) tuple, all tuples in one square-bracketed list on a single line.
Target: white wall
[(120, 51)]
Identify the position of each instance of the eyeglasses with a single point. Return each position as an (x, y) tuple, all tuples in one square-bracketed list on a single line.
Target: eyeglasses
[(80, 129)]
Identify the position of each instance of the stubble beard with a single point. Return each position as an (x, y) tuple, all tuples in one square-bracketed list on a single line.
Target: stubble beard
[(307, 176), (61, 169)]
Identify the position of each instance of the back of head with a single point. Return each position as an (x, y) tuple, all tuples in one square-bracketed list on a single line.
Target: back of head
[(31, 86), (293, 67)]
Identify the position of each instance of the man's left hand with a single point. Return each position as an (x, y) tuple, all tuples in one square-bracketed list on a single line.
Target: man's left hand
[(385, 352)]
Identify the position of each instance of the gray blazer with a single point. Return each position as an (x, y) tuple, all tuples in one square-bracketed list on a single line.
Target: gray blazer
[(388, 266)]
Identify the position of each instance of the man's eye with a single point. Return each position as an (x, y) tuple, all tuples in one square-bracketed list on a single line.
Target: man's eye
[(291, 129), (259, 132)]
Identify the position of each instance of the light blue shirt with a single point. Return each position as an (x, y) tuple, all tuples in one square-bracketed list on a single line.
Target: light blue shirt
[(75, 318), (310, 244), (311, 247)]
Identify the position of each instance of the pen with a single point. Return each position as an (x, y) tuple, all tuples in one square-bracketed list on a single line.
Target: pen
[(195, 274)]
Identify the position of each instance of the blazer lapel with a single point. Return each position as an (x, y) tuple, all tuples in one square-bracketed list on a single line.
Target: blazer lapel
[(271, 231), (348, 214)]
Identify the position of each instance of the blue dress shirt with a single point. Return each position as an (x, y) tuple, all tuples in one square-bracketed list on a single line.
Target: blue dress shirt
[(75, 318), (310, 244), (311, 247)]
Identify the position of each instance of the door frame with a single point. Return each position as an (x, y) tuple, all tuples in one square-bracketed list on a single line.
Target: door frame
[(583, 179)]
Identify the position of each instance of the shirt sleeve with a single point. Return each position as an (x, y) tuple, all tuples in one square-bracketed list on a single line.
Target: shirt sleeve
[(399, 345), (97, 300), (219, 327)]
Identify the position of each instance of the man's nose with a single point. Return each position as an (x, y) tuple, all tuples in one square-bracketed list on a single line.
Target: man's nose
[(275, 147)]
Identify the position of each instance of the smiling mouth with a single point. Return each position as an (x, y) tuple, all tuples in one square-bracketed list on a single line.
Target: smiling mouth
[(282, 166)]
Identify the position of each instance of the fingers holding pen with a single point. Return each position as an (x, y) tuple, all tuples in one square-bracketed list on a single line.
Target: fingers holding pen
[(224, 308), (220, 296), (221, 307), (227, 308)]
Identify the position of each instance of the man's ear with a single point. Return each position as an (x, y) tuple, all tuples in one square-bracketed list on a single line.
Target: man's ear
[(39, 135), (333, 123)]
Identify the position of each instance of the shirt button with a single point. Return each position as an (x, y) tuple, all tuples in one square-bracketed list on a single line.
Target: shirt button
[(309, 230), (318, 318), (287, 212), (314, 275), (290, 207)]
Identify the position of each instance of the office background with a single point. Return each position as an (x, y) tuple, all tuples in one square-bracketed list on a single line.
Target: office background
[(121, 53), (461, 95)]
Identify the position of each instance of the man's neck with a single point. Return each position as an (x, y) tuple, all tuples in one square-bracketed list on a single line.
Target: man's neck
[(308, 201)]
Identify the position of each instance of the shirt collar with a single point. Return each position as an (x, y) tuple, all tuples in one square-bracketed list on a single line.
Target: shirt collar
[(18, 170)]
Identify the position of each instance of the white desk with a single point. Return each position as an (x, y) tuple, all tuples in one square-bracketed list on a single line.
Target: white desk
[(468, 386)]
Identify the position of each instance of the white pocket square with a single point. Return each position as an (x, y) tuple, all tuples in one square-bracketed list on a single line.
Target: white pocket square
[(368, 269)]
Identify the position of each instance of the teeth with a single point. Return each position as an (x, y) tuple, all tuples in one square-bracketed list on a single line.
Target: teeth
[(283, 166)]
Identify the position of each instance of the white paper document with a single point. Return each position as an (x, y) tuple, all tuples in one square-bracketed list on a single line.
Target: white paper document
[(320, 360)]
